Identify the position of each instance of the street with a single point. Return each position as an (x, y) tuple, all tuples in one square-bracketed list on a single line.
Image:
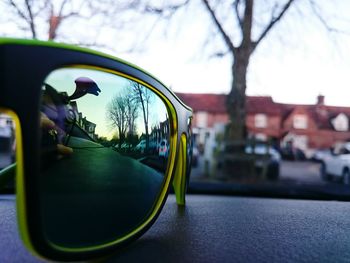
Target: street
[(300, 172), (295, 172)]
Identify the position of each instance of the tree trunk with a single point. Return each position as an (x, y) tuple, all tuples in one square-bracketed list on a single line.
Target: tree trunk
[(145, 116), (54, 22), (236, 98)]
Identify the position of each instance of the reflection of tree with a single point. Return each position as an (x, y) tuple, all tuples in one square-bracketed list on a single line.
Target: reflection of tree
[(124, 108), (122, 112), (116, 112), (132, 114), (143, 96)]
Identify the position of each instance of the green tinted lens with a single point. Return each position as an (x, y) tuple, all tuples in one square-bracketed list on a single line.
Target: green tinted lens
[(105, 147)]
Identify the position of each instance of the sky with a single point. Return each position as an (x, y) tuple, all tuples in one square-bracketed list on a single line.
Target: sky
[(298, 60), (95, 108)]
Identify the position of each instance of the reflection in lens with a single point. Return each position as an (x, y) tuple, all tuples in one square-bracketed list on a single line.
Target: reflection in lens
[(7, 141), (7, 153), (105, 147)]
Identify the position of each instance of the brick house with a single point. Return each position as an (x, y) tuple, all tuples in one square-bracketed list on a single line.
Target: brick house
[(314, 126), (88, 126), (209, 110)]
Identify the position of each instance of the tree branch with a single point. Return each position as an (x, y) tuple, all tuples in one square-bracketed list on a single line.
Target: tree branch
[(20, 13), (60, 12), (247, 24), (31, 18), (239, 19), (211, 54), (167, 11), (226, 38), (273, 21), (41, 8), (323, 21), (71, 14)]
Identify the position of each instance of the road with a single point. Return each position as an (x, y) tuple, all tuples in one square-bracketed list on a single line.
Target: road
[(298, 172)]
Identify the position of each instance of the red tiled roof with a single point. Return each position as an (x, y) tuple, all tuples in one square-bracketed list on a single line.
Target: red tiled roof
[(214, 103), (325, 114), (262, 104)]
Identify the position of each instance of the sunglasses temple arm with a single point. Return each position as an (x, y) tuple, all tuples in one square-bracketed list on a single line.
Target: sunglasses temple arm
[(7, 174), (179, 181)]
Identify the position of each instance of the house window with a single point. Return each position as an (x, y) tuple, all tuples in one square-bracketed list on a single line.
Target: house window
[(202, 119), (260, 121), (300, 122), (341, 122)]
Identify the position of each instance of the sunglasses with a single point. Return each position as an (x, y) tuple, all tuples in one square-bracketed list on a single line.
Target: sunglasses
[(94, 144)]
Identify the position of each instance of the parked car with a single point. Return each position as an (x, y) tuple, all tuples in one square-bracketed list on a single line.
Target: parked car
[(195, 156), (337, 164), (153, 146), (163, 150), (6, 147), (319, 155), (141, 146), (272, 162), (265, 159), (124, 146), (293, 154)]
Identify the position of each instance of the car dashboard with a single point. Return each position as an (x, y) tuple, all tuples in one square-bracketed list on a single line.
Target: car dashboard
[(214, 228)]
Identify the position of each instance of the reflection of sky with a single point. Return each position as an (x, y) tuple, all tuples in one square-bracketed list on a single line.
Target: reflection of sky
[(94, 107)]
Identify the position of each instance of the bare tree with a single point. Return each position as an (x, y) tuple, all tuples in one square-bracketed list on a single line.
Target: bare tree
[(55, 17), (241, 30), (117, 115), (32, 14), (144, 97), (122, 112), (132, 113), (241, 53), (38, 16)]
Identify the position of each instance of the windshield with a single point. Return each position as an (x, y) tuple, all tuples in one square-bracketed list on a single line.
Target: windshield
[(284, 152), (266, 80)]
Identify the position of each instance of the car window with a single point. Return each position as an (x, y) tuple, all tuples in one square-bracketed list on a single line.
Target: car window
[(269, 112)]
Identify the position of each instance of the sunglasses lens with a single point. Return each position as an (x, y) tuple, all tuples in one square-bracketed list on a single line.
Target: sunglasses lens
[(104, 154)]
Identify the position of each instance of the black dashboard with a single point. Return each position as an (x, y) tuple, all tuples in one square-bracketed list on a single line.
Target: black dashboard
[(215, 228)]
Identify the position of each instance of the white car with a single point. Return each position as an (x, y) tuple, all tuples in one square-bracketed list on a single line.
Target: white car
[(163, 149), (7, 147), (337, 164), (141, 146)]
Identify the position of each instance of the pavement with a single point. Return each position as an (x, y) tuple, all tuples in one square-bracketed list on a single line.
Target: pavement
[(299, 172)]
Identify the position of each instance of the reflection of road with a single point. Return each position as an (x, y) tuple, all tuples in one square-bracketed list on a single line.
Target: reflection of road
[(95, 186)]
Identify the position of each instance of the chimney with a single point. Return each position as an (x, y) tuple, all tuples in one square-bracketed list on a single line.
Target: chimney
[(320, 100)]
